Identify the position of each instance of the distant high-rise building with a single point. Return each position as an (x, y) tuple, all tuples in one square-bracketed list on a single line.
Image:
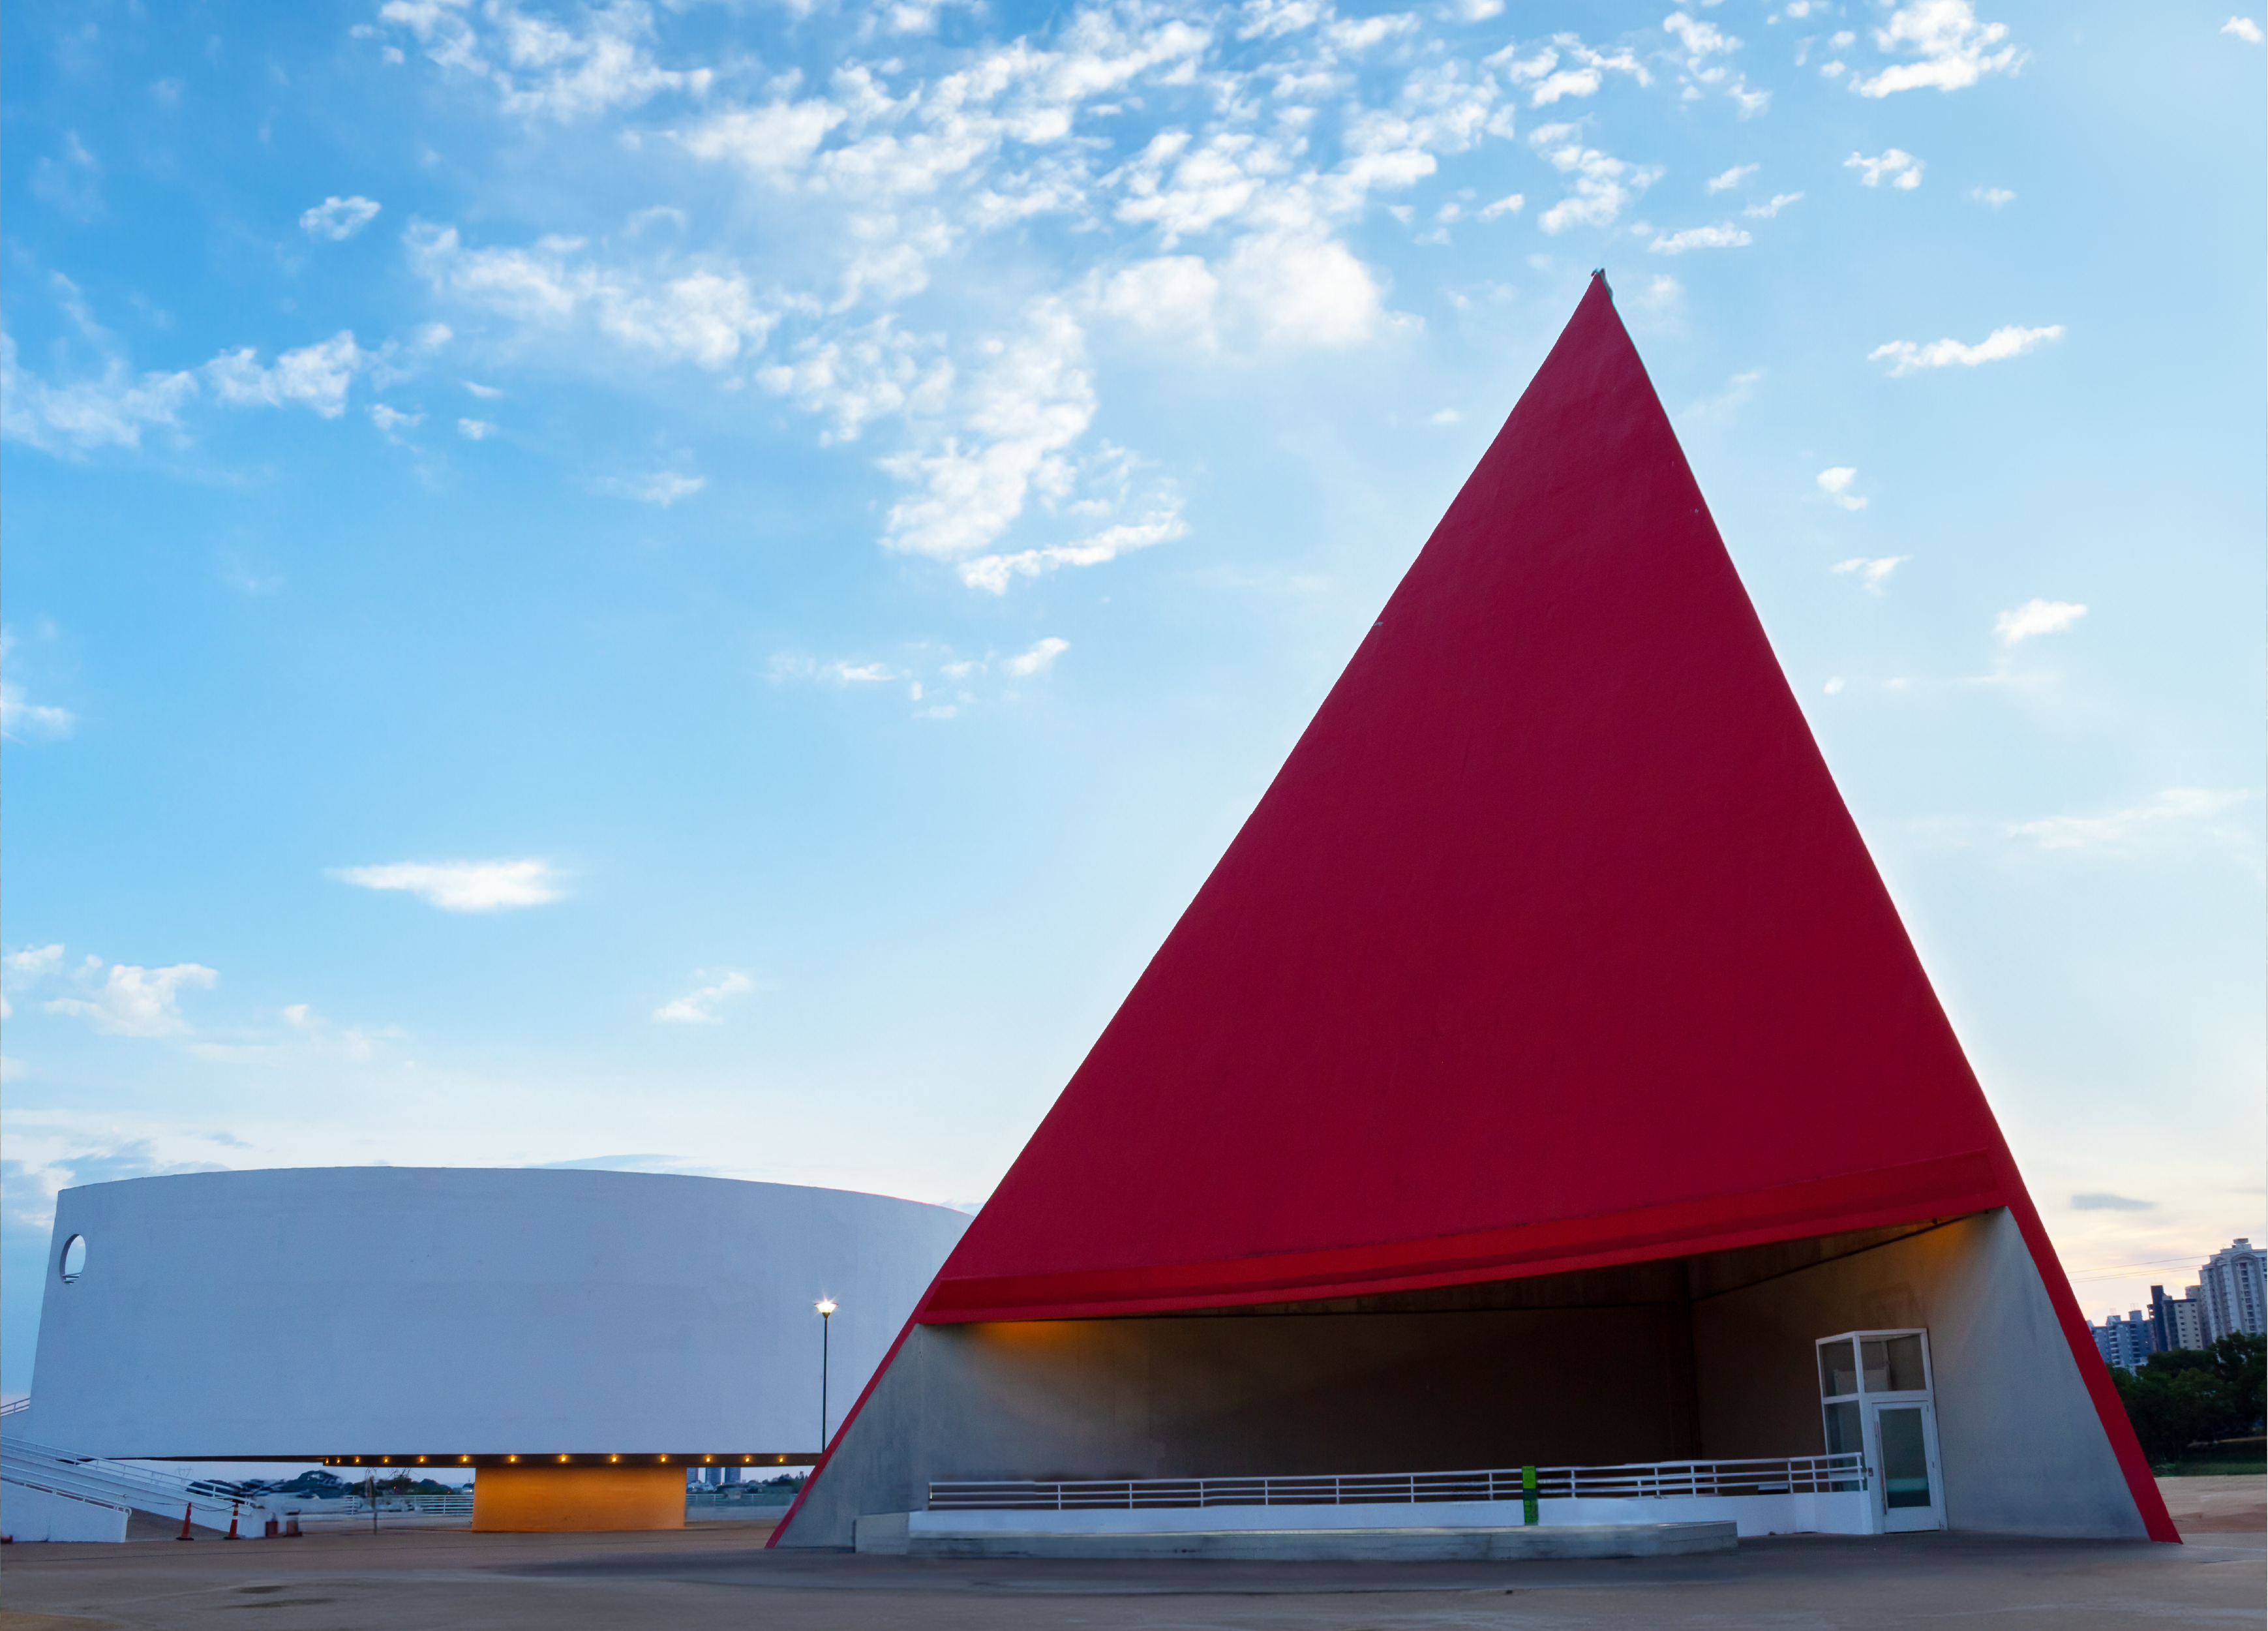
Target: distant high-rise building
[(2129, 1342), (2176, 1322), (2189, 1314), (2230, 1288)]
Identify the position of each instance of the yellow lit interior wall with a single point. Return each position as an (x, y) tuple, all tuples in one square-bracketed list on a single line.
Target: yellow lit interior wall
[(587, 1497)]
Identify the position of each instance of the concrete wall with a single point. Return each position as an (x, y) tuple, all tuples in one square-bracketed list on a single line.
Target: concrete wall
[(1286, 1393), (2023, 1448), (353, 1311)]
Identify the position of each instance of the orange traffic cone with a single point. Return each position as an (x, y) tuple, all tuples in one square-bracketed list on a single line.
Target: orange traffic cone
[(233, 1509), (185, 1534)]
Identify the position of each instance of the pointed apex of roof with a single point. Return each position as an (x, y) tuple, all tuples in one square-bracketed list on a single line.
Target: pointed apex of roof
[(1551, 943)]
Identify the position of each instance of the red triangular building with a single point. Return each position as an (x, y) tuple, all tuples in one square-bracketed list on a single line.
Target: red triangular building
[(1541, 1073)]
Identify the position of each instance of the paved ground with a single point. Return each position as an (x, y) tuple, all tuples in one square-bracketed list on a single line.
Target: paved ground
[(712, 1574)]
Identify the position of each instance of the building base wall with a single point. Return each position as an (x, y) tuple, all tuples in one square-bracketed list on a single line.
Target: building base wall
[(577, 1498)]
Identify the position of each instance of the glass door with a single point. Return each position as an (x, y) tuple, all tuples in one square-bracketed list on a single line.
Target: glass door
[(1877, 1401)]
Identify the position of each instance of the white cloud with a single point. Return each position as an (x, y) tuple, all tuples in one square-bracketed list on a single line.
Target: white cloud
[(486, 393), (339, 218), (1511, 204), (1173, 292), (707, 316), (1700, 40), (306, 1037), (1836, 483), (1905, 357), (1778, 202), (1894, 164), (475, 430), (1033, 400), (1602, 184), (699, 1007), (2244, 28), (862, 374), (33, 962), (1208, 183), (1992, 197), (775, 143), (1303, 288), (1266, 20), (1953, 49), (2037, 616), (541, 69), (20, 718), (390, 421), (134, 1002), (463, 885), (2122, 828), (1704, 43), (72, 182), (1724, 236), (1834, 686), (842, 672), (1039, 660), (1875, 575), (1566, 67), (25, 968), (992, 571), (111, 411), (1739, 391), (1731, 178), (663, 487), (316, 376), (1660, 299)]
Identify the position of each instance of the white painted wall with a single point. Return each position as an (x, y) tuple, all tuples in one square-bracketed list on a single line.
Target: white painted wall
[(28, 1513), (344, 1310)]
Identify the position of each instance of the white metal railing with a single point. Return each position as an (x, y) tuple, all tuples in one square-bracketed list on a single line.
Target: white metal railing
[(118, 1483), (1650, 1479), (421, 1503), (11, 1406)]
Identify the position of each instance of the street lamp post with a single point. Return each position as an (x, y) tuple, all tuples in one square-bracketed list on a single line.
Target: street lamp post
[(826, 1307)]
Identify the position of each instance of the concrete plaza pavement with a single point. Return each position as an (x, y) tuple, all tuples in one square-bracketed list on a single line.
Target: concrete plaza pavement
[(714, 1573)]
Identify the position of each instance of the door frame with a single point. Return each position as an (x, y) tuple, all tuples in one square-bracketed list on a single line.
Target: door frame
[(1903, 1520), (1889, 1520)]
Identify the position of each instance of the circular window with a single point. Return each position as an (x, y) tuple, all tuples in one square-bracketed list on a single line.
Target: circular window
[(74, 1258)]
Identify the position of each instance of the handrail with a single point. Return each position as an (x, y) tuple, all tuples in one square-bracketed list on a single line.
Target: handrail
[(112, 1482), (1637, 1479)]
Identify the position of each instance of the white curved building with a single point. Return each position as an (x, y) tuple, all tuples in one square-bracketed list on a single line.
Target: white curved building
[(592, 1323)]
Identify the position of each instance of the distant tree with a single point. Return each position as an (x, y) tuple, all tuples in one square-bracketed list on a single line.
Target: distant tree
[(2240, 1361), (2191, 1395), (2170, 1407)]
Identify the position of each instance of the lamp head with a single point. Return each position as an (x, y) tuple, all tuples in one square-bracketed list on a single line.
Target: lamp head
[(826, 1306)]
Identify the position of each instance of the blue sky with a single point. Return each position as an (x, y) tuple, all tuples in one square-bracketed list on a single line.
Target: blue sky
[(695, 586)]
